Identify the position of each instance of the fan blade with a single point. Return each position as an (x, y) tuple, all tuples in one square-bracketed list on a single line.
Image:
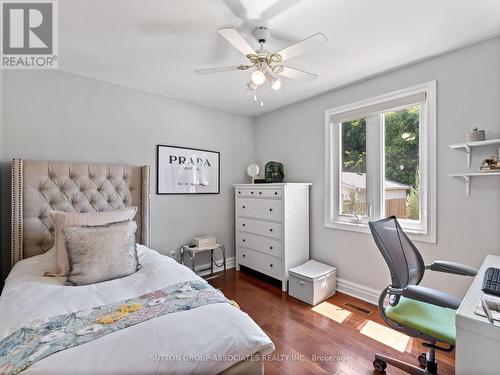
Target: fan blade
[(314, 41), (219, 69), (297, 74), (277, 8), (237, 8), (235, 38)]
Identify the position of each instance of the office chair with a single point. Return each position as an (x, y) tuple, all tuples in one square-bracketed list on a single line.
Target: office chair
[(417, 311)]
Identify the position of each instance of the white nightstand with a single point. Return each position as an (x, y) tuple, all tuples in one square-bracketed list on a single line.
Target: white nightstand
[(193, 251)]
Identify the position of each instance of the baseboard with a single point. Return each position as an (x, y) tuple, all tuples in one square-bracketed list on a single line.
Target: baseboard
[(359, 291), (230, 263)]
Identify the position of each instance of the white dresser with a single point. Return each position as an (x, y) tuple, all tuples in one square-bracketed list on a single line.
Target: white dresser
[(272, 227)]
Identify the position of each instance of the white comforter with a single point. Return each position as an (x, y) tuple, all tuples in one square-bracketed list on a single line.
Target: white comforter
[(177, 343)]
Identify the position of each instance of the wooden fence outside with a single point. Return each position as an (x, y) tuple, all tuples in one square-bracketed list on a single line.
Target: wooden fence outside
[(396, 207)]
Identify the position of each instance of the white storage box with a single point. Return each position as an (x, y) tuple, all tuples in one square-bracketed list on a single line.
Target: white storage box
[(312, 282)]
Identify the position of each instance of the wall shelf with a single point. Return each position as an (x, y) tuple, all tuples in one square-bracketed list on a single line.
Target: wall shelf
[(469, 145), (467, 177)]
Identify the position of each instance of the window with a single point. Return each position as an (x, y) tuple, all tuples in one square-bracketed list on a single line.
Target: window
[(353, 175), (401, 151), (380, 161)]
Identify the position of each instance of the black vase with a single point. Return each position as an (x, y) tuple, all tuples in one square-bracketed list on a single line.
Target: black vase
[(274, 172)]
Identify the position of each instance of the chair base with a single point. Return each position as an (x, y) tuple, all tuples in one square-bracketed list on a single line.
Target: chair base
[(381, 361)]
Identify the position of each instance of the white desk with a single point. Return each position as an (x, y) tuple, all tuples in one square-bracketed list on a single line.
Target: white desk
[(478, 341)]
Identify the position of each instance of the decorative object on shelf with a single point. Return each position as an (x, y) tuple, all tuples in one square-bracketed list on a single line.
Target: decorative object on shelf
[(183, 170), (274, 172), (475, 135), (253, 171), (468, 146), (490, 165)]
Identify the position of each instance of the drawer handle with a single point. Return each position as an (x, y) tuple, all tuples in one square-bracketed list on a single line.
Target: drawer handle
[(243, 224), (251, 192), (270, 230), (243, 255), (243, 240), (271, 265), (302, 283), (260, 192), (270, 247), (271, 210), (243, 206), (239, 192), (275, 193)]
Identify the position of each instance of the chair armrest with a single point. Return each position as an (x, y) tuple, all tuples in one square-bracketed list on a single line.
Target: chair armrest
[(432, 296), (451, 267)]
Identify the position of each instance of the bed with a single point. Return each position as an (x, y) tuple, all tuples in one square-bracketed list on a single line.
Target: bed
[(209, 339)]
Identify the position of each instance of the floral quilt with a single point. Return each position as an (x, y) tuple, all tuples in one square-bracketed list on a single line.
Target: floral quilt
[(43, 338)]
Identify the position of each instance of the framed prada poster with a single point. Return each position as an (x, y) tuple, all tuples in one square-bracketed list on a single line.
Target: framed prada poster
[(183, 170)]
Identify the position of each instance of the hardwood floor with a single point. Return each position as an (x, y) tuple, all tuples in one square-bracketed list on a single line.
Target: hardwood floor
[(329, 339)]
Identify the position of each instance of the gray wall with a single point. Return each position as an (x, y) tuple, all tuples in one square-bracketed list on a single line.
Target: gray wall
[(62, 116), (468, 93), (55, 115)]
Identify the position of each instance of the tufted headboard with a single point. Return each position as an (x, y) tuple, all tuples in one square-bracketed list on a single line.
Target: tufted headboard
[(39, 186)]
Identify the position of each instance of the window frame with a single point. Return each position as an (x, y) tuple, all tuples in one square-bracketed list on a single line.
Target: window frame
[(425, 229)]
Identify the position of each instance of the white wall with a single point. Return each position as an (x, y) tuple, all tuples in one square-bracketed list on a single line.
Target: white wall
[(468, 89), (55, 115)]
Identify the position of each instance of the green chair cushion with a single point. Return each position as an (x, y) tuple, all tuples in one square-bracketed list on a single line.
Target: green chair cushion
[(434, 321)]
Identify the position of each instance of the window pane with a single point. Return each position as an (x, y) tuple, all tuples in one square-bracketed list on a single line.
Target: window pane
[(353, 166), (401, 186)]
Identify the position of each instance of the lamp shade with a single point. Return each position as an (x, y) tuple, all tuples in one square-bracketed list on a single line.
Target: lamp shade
[(258, 77)]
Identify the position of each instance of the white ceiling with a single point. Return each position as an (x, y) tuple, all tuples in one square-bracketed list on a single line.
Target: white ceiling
[(155, 45)]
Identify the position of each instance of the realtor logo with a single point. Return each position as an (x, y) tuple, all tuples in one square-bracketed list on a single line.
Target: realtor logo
[(29, 34)]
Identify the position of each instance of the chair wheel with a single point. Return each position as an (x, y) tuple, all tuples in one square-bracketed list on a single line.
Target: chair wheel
[(422, 359), (379, 366)]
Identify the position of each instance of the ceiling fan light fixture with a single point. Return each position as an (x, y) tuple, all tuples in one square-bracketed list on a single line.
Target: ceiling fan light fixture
[(252, 86), (276, 85), (258, 77), (273, 80), (265, 67)]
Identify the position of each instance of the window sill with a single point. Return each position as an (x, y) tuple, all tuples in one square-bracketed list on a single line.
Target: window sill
[(364, 228)]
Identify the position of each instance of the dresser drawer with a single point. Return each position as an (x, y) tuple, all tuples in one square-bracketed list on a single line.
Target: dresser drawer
[(260, 193), (246, 192), (260, 243), (259, 261), (269, 193), (263, 228), (267, 209)]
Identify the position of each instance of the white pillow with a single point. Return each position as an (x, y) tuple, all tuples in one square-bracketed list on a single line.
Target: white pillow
[(72, 219)]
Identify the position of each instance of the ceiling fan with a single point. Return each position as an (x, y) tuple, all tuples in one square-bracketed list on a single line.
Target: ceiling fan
[(267, 67)]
